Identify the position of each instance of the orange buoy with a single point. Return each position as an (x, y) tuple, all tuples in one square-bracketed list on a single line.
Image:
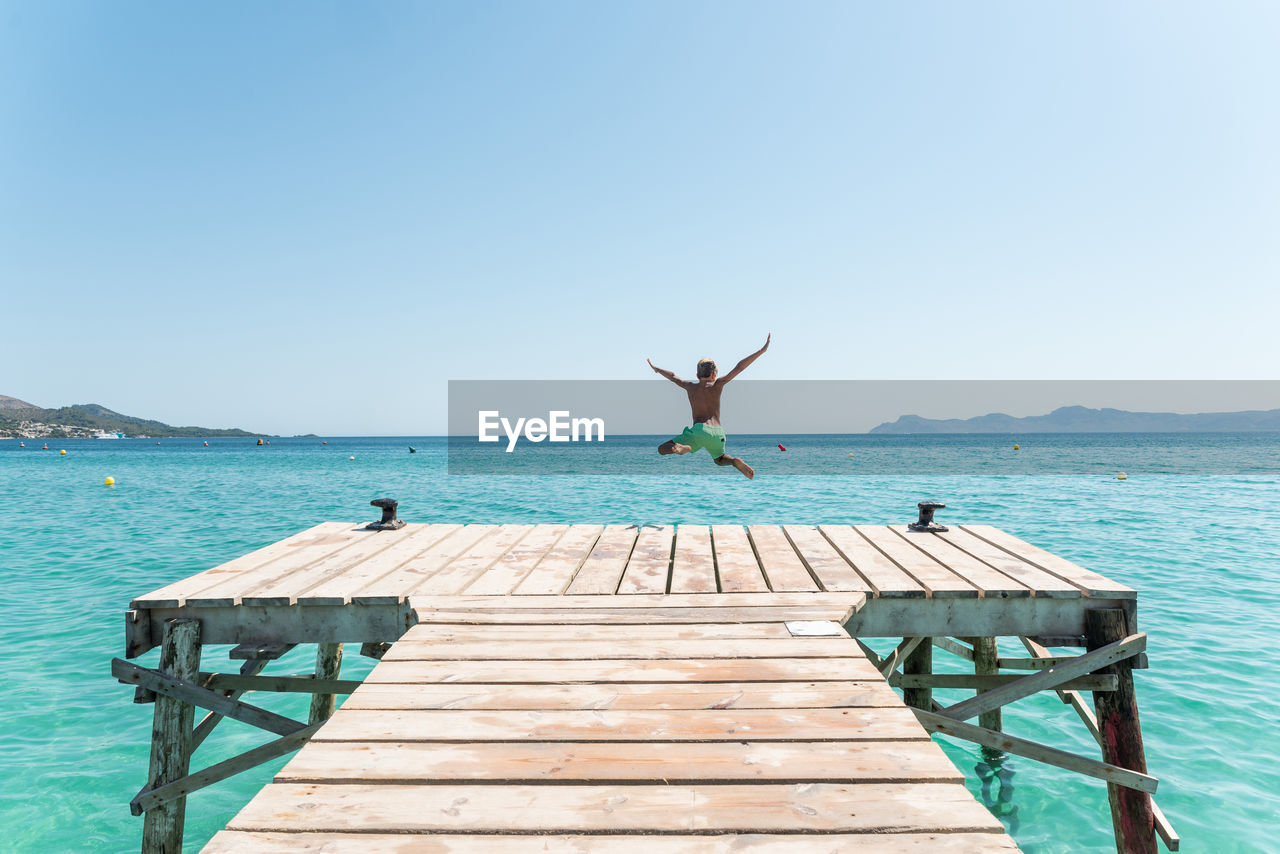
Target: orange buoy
[(781, 448)]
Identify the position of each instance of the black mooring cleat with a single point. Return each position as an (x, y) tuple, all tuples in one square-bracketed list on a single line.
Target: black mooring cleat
[(388, 522), (925, 522)]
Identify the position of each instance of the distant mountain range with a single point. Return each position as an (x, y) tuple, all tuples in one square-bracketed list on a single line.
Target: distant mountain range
[(26, 420), (1080, 419)]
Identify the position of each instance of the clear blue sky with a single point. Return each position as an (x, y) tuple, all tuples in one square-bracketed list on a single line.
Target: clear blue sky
[(297, 217)]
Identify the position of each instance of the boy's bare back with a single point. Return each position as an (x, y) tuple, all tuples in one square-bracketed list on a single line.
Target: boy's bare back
[(704, 403)]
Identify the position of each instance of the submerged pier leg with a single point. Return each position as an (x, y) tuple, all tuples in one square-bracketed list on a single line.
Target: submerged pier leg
[(171, 738), (1121, 737), (919, 662), (986, 663), (328, 666)]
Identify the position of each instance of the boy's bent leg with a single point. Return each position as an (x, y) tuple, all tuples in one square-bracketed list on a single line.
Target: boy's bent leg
[(671, 446), (736, 462)]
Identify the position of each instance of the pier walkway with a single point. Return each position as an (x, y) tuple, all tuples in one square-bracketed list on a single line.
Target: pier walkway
[(628, 689)]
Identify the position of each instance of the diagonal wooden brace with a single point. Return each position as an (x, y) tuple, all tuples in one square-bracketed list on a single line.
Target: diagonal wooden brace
[(187, 692), (151, 798), (900, 652), (1034, 750), (1046, 679)]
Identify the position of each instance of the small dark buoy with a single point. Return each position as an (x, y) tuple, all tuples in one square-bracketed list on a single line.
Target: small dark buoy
[(259, 441), (412, 449), (324, 443)]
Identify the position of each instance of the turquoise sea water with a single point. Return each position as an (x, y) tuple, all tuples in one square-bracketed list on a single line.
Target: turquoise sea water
[(1201, 548)]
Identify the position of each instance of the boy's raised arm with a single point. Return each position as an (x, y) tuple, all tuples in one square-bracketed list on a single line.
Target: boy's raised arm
[(746, 362), (668, 374)]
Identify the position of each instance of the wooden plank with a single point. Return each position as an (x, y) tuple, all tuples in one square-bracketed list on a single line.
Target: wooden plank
[(781, 565), (1040, 582), (512, 568), (1093, 682), (795, 808), (1039, 752), (620, 695), (736, 560), (277, 684), (621, 762), (601, 572), (339, 589), (699, 601), (622, 648), (285, 589), (454, 576), (622, 615), (314, 541), (253, 651), (302, 553), (241, 842), (693, 567), (448, 632), (395, 586), (1091, 583), (626, 670), (824, 562), (938, 581), (992, 583), (649, 567), (845, 724), (554, 572), (886, 578)]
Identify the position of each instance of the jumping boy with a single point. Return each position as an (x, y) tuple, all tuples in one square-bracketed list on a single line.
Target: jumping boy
[(704, 400)]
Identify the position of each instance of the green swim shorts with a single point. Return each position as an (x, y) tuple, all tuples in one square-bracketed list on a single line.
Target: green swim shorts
[(702, 436)]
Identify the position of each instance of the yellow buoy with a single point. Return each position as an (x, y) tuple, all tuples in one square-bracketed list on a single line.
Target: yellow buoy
[(1122, 476), (63, 453), (851, 455), (110, 481), (1015, 447)]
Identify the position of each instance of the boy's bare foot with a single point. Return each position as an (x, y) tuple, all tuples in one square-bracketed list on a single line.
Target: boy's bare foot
[(744, 468), (677, 448)]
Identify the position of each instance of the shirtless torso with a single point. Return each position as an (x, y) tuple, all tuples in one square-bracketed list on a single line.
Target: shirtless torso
[(704, 404)]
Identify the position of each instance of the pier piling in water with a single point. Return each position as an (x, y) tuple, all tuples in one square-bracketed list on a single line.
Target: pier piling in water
[(1121, 737), (171, 737), (328, 666)]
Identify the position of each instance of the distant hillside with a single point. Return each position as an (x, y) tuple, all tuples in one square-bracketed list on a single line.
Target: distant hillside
[(19, 418), (1080, 419)]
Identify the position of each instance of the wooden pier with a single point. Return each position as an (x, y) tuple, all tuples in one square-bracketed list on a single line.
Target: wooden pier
[(634, 688)]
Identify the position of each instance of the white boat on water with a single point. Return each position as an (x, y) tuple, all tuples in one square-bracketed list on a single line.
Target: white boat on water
[(108, 436)]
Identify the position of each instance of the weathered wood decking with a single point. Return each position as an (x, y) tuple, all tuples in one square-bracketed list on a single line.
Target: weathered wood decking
[(623, 688), (339, 582), (703, 733)]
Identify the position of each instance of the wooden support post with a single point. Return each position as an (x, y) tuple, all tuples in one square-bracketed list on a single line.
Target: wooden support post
[(1131, 811), (328, 666), (171, 738), (986, 663), (919, 663)]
